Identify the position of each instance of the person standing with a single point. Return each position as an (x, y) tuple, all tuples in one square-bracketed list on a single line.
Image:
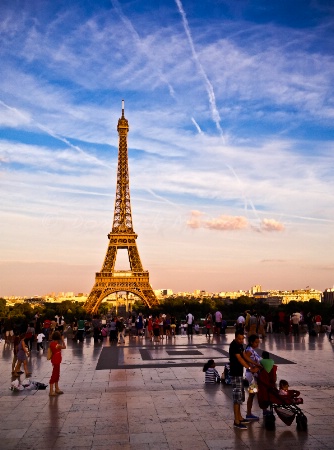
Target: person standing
[(81, 329), (247, 317), (113, 330), (173, 325), (40, 338), (22, 353), (332, 329), (318, 322), (237, 364), (269, 321), (56, 346), (96, 323), (218, 322), (30, 336), (190, 321), (46, 328), (208, 325), (253, 358), (150, 328), (9, 330), (140, 325), (252, 324), (241, 323), (60, 323), (261, 326), (121, 329), (15, 349), (156, 329), (295, 319)]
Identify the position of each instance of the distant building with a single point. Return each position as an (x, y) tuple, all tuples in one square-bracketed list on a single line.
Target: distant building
[(163, 293), (301, 295), (260, 295), (328, 296), (255, 289)]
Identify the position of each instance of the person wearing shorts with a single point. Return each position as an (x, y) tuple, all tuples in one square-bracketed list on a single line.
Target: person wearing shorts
[(237, 364)]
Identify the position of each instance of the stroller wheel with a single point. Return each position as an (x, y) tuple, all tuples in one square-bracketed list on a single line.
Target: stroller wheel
[(301, 420), (269, 421)]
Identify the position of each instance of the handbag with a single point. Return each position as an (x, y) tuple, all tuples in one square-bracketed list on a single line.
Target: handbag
[(49, 354)]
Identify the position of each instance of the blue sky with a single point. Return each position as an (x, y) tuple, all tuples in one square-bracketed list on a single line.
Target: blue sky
[(230, 106)]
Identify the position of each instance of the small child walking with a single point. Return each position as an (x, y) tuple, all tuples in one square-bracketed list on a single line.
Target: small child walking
[(56, 346), (211, 374), (40, 338)]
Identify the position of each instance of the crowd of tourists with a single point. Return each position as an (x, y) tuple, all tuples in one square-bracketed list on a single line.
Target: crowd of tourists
[(255, 323), (27, 338), (162, 326)]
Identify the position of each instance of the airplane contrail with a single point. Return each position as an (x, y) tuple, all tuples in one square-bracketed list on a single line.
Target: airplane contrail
[(55, 135), (208, 85), (128, 23), (197, 126)]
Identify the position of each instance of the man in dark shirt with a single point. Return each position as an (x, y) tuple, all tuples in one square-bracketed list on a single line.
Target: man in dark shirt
[(237, 364)]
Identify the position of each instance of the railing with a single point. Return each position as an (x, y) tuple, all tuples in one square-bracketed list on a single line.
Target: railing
[(122, 273)]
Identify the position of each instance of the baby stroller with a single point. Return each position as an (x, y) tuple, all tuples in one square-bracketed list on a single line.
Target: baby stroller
[(226, 377), (285, 407)]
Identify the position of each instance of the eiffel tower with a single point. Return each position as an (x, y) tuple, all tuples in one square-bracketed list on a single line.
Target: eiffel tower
[(122, 236)]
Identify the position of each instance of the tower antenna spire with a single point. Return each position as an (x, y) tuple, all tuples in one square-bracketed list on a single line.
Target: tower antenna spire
[(122, 109)]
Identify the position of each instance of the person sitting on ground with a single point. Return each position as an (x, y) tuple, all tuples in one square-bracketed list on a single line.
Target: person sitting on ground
[(211, 374), (289, 394)]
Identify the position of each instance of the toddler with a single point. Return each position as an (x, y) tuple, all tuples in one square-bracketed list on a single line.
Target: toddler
[(290, 394), (211, 374)]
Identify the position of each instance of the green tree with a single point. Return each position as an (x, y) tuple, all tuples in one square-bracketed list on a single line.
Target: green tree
[(3, 308)]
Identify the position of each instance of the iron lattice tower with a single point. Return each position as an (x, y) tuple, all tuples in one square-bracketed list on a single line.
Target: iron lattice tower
[(122, 236)]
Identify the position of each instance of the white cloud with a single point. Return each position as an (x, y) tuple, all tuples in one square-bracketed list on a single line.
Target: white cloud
[(271, 225)]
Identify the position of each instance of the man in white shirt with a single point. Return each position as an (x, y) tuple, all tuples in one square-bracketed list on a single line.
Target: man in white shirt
[(295, 319), (190, 321), (241, 323), (218, 322)]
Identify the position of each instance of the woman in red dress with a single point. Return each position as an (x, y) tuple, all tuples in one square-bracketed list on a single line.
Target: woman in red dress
[(56, 345)]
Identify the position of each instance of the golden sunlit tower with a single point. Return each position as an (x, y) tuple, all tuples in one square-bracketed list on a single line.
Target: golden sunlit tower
[(122, 236)]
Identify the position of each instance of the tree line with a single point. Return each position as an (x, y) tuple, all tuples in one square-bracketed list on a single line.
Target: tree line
[(178, 306)]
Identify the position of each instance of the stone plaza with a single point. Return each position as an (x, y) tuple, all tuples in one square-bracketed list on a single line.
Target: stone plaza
[(145, 395)]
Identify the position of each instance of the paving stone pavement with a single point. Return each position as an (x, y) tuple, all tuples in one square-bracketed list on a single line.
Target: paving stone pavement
[(154, 397)]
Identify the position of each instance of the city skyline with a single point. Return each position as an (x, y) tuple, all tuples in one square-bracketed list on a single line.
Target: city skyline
[(230, 109)]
